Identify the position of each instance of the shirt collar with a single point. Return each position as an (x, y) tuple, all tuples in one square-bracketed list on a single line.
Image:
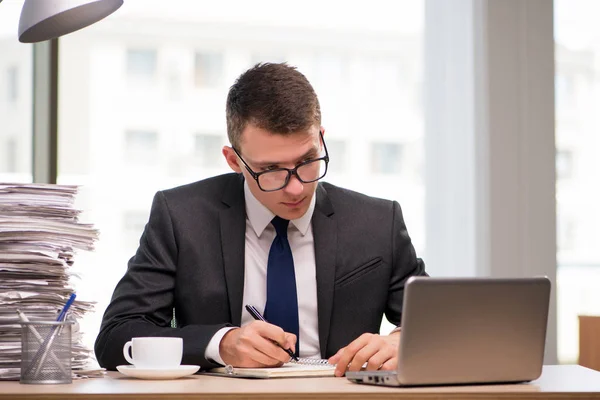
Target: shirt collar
[(260, 216)]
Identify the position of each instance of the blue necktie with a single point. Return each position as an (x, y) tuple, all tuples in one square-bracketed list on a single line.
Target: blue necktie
[(282, 302)]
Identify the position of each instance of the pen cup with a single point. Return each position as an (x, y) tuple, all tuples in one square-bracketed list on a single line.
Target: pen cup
[(46, 352)]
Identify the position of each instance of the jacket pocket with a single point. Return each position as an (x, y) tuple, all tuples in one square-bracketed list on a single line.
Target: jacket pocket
[(356, 273)]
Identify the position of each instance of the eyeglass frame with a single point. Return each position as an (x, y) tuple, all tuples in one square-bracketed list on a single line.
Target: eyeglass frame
[(290, 171)]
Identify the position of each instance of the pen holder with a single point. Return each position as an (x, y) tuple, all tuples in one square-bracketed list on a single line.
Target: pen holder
[(46, 352)]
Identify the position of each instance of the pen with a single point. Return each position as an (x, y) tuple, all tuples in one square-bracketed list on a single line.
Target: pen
[(64, 310), (256, 315)]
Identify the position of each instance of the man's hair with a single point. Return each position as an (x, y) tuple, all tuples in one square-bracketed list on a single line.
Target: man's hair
[(273, 97)]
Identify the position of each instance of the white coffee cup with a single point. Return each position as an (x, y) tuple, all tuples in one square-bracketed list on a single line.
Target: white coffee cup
[(154, 352)]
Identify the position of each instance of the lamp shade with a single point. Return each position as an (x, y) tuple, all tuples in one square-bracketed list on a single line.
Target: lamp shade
[(47, 19)]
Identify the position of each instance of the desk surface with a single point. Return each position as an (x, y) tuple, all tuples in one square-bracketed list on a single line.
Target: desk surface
[(556, 382)]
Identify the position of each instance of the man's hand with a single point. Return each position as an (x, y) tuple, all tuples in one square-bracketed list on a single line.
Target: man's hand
[(379, 352), (254, 345)]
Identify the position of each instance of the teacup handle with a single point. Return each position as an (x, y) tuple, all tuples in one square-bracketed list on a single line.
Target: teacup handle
[(126, 353)]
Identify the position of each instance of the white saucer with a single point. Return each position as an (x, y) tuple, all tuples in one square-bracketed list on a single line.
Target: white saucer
[(158, 373)]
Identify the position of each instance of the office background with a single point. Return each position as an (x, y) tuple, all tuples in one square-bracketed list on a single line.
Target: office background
[(478, 116)]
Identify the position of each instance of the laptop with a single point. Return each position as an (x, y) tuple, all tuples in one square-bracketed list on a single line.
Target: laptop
[(468, 331)]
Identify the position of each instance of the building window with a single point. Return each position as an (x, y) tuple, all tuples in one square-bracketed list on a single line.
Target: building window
[(141, 146), (386, 158), (141, 63), (564, 164), (134, 223), (329, 72), (11, 156), (266, 57), (207, 149), (208, 69), (13, 84), (566, 230), (337, 149), (175, 84)]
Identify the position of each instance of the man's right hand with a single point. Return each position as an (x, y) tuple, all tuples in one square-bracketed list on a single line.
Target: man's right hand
[(253, 345)]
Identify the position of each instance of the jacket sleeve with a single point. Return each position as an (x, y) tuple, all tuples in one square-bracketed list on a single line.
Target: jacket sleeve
[(405, 264), (143, 301)]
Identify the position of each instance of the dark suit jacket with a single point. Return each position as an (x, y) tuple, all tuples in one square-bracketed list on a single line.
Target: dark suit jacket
[(191, 258)]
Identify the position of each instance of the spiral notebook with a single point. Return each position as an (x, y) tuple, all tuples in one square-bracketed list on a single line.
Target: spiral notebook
[(304, 367)]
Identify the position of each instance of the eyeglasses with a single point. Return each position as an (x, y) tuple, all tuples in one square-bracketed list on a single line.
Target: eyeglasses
[(276, 179)]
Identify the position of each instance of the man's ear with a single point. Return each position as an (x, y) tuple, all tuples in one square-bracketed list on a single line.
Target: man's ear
[(231, 159), (322, 130)]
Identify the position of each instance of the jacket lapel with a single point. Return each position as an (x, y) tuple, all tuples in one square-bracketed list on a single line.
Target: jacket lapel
[(233, 228), (325, 239)]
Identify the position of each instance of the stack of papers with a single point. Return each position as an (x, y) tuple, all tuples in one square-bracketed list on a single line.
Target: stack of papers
[(39, 235)]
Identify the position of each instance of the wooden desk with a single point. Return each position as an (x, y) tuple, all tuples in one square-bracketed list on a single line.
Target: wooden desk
[(556, 382)]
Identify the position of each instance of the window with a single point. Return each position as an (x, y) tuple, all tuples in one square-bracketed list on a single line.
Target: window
[(564, 164), (574, 79), (337, 155), (207, 149), (141, 146), (577, 83), (141, 64), (208, 69), (386, 158), (175, 82), (567, 233), (16, 98), (134, 222), (13, 84), (159, 41), (11, 155), (266, 56), (329, 72)]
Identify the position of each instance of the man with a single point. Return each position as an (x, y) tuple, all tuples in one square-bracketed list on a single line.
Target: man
[(323, 263)]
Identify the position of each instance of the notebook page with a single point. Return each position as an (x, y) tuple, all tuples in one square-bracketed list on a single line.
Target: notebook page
[(310, 361), (303, 368)]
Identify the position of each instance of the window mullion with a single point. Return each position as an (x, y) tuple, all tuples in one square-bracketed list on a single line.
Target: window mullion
[(45, 111)]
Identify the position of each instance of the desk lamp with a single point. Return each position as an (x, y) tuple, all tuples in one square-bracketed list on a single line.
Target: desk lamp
[(47, 19)]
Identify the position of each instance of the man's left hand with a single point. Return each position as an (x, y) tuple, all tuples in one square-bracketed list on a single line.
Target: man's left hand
[(378, 352)]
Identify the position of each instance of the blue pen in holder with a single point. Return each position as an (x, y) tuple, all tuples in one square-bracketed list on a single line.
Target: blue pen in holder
[(46, 352)]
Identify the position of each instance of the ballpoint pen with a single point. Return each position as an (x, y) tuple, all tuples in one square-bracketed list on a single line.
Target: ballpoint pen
[(63, 312), (257, 316)]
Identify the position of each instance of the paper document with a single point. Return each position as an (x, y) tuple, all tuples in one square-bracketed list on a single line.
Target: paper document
[(40, 234)]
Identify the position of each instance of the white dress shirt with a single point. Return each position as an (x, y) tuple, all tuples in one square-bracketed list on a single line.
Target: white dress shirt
[(259, 236)]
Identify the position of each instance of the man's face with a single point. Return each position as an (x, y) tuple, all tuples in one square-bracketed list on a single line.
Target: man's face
[(262, 151)]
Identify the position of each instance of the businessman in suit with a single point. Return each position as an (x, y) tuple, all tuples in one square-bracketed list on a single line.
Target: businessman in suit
[(323, 264)]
